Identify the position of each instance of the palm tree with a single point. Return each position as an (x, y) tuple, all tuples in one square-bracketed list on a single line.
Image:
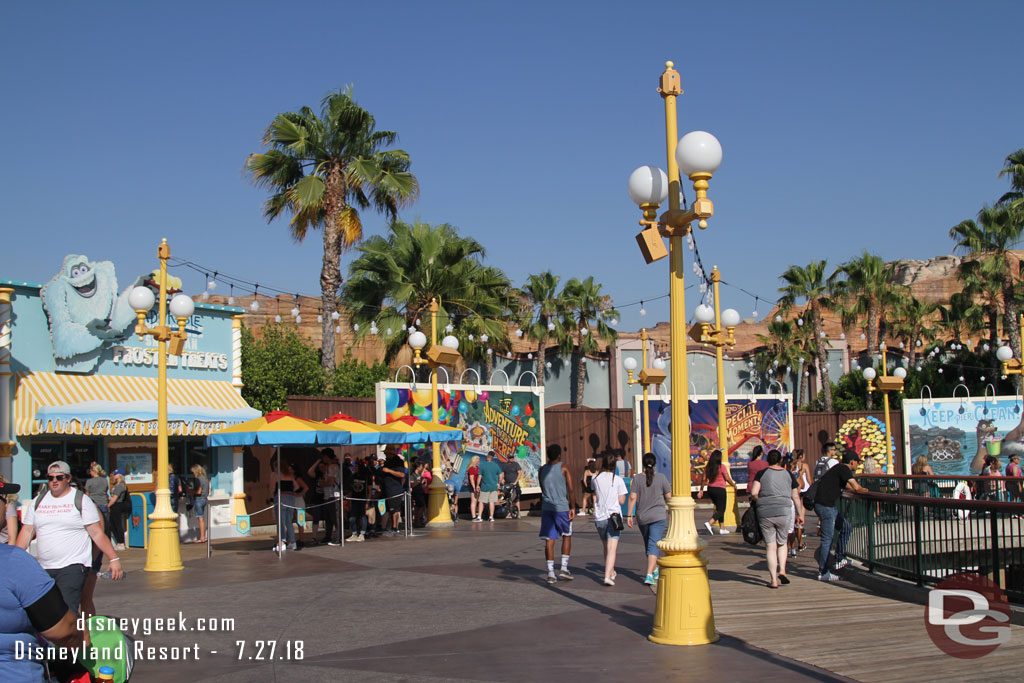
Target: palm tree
[(322, 170), (990, 240), (394, 279), (1014, 168), (785, 348), (816, 291), (960, 316), (912, 324), (539, 315), (587, 311), (866, 297)]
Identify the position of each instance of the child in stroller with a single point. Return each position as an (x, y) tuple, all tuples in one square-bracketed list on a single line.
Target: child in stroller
[(508, 501)]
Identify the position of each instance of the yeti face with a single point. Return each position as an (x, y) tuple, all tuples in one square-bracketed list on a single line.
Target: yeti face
[(81, 274)]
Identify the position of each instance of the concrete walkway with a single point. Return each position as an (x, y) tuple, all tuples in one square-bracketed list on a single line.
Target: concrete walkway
[(471, 604)]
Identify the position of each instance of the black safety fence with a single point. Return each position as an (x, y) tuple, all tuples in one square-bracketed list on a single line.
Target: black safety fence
[(926, 539)]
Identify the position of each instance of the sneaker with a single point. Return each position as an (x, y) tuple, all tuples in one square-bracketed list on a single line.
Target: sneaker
[(119, 546), (279, 548), (360, 538), (707, 525), (293, 546), (828, 576), (803, 547), (552, 579), (792, 552), (723, 531), (609, 581), (490, 519), (655, 575), (333, 543), (650, 580), (478, 519), (841, 564), (565, 574), (614, 574)]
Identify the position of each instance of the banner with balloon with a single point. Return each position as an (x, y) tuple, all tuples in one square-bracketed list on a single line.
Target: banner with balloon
[(751, 419), (508, 420)]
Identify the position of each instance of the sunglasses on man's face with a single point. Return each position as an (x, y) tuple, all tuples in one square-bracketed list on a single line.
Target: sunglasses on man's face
[(56, 477)]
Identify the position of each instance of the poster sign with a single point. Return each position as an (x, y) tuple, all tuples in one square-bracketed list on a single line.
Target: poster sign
[(137, 467), (243, 524), (955, 435), (507, 420), (752, 420)]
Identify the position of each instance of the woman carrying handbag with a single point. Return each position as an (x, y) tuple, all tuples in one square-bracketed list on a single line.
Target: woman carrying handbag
[(609, 495)]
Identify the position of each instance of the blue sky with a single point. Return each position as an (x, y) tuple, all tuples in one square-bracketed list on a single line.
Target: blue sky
[(845, 126)]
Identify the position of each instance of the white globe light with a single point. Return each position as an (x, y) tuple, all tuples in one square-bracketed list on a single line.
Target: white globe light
[(730, 317), (254, 306), (451, 342), (648, 185), (698, 152), (182, 306), (900, 372), (142, 299), (629, 363), (1003, 353), (659, 363), (869, 374), (298, 319), (417, 340), (704, 313)]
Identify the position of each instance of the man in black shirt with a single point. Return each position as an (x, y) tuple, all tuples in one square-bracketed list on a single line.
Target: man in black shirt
[(830, 489)]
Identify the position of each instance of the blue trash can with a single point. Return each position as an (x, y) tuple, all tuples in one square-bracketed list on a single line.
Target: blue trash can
[(138, 523)]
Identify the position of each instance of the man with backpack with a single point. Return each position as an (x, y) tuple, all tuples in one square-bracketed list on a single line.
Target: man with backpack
[(826, 462), (826, 493), (66, 523)]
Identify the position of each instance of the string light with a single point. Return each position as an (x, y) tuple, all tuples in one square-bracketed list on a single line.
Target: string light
[(231, 297)]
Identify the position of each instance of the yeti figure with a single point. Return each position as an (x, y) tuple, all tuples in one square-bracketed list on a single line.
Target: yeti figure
[(85, 312)]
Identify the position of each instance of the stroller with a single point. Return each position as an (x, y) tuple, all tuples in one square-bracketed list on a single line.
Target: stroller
[(508, 496)]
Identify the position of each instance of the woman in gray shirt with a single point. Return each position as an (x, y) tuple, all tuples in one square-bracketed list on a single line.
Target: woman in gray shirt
[(648, 494), (777, 495)]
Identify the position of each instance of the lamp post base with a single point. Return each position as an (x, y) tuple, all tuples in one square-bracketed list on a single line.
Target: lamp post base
[(163, 551), (732, 510), (439, 515), (683, 614)]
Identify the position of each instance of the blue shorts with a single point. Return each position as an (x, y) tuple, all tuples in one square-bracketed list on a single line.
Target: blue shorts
[(199, 507), (652, 533), (605, 530), (554, 525)]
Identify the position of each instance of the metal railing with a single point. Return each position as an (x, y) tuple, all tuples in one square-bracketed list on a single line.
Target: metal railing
[(1005, 489), (928, 538)]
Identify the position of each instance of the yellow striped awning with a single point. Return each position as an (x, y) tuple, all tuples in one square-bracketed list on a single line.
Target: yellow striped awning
[(110, 405)]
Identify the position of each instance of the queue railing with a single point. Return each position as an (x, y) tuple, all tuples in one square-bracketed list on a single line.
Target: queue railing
[(926, 539), (1000, 489)]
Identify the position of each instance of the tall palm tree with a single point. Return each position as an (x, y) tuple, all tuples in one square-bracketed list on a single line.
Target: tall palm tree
[(1014, 169), (322, 170), (784, 349), (960, 316), (394, 279), (990, 241), (810, 286), (865, 297), (913, 324), (539, 317), (586, 315)]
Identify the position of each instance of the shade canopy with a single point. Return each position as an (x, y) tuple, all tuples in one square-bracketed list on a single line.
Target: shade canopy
[(417, 431), (362, 433), (279, 428)]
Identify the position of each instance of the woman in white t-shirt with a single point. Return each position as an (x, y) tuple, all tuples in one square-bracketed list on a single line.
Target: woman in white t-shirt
[(609, 495)]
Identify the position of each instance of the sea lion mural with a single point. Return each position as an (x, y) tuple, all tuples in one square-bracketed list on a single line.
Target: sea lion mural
[(85, 312), (957, 434)]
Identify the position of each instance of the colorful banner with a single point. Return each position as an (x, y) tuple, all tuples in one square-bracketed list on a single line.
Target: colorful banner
[(507, 420), (243, 524), (955, 435), (752, 420)]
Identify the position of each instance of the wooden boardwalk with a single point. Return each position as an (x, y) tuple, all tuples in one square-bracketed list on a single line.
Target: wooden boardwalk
[(840, 627)]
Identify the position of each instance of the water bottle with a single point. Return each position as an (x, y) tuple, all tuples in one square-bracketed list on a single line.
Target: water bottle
[(105, 674), (106, 574)]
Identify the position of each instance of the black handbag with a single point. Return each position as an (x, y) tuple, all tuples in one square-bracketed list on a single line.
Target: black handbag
[(615, 519)]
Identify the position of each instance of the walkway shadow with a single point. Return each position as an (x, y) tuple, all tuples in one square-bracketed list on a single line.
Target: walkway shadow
[(635, 619), (727, 575)]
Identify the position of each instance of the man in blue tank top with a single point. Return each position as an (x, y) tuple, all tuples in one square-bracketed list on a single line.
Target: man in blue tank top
[(558, 506)]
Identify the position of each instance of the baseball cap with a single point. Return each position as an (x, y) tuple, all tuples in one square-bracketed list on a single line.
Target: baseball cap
[(7, 487), (60, 466), (118, 471), (849, 455)]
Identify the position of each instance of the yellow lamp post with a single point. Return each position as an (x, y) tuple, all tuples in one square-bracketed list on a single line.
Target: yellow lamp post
[(446, 353), (719, 337), (646, 378), (885, 384), (164, 551), (1011, 365), (683, 615)]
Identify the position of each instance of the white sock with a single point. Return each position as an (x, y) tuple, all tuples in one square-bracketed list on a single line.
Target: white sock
[(565, 561), (551, 567)]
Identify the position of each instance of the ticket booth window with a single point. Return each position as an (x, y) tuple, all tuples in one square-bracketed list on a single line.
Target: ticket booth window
[(42, 455), (79, 454)]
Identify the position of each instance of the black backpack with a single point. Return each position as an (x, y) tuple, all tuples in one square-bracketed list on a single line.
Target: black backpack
[(810, 495), (748, 524)]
